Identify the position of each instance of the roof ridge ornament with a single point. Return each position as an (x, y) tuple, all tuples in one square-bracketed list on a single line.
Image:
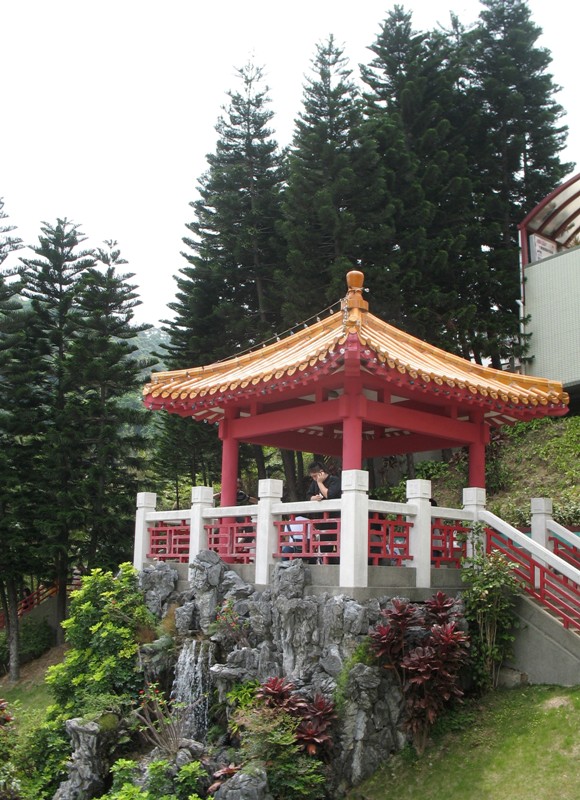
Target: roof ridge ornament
[(353, 304)]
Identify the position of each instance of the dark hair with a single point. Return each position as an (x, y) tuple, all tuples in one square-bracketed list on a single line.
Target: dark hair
[(316, 466)]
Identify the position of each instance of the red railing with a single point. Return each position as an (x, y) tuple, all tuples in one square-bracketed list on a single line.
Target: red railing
[(32, 600), (169, 541), (388, 539), (316, 540), (556, 592), (234, 541), (448, 542), (566, 551)]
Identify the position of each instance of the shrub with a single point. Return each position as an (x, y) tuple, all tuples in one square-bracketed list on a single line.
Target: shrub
[(489, 602), (107, 616)]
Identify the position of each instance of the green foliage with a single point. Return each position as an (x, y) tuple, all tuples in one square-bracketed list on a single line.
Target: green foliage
[(430, 470), (491, 587), (162, 782), (36, 637), (107, 615), (41, 757), (269, 739), (361, 655), (162, 723)]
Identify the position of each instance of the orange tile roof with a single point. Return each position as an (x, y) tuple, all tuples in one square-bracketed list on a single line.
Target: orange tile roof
[(391, 347)]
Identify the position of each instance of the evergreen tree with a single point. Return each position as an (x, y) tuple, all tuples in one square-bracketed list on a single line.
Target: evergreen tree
[(51, 282), (8, 243), (414, 89), (104, 407), (21, 425), (514, 152), (227, 299), (228, 285), (334, 203)]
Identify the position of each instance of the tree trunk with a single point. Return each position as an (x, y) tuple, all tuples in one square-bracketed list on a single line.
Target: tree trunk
[(260, 462), (291, 494), (13, 630), (411, 474)]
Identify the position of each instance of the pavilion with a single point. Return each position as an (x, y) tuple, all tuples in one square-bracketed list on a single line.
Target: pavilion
[(354, 387)]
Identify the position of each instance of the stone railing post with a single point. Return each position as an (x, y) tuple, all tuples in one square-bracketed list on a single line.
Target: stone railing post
[(419, 495), (201, 497), (354, 529), (146, 502), (542, 509), (474, 501), (269, 492)]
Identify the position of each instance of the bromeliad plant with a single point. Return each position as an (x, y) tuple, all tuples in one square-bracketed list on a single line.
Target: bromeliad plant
[(425, 649)]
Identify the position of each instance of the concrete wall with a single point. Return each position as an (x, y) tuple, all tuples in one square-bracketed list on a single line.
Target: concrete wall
[(552, 299), (543, 649)]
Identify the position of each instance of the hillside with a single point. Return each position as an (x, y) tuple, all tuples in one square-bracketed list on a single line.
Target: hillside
[(536, 459)]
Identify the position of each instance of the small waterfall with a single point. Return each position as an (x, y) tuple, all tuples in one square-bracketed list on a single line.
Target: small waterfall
[(192, 685)]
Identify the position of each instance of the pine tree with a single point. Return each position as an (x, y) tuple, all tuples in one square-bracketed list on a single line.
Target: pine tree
[(414, 89), (514, 152), (227, 298), (234, 248), (105, 409), (335, 199), (51, 281)]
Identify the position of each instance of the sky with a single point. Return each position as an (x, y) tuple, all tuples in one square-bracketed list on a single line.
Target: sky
[(109, 106)]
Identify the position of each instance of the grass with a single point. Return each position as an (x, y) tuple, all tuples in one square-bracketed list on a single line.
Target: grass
[(511, 745), (30, 697)]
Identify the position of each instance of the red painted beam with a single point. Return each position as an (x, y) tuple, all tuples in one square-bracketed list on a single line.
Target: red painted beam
[(291, 419), (396, 416)]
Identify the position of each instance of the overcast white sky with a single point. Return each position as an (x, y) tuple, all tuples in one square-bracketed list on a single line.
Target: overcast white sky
[(109, 106)]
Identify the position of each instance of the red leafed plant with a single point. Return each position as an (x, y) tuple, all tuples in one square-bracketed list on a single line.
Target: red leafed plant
[(391, 641), (429, 671), (440, 609), (280, 693), (312, 732)]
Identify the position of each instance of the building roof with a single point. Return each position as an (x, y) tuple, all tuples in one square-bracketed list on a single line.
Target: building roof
[(396, 357), (557, 217)]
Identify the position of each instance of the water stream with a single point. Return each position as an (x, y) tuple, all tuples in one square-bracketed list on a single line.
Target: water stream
[(192, 685)]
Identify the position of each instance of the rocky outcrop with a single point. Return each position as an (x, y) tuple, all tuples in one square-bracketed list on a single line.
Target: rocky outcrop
[(310, 640), (89, 764), (158, 583)]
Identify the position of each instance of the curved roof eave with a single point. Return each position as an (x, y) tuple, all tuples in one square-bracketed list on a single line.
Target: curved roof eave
[(557, 216)]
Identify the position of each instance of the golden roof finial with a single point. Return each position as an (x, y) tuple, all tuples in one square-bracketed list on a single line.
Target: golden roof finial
[(353, 304)]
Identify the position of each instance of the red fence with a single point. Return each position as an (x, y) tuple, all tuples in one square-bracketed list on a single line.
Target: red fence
[(169, 541), (32, 600), (234, 541), (566, 551), (316, 540), (448, 542), (555, 591), (388, 539)]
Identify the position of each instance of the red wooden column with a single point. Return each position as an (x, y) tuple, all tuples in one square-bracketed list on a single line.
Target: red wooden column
[(229, 461), (352, 417), (477, 453)]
